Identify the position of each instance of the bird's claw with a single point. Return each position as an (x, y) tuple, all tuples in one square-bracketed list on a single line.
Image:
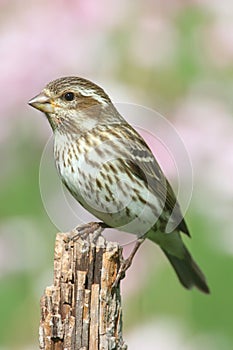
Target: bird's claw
[(85, 230), (125, 264)]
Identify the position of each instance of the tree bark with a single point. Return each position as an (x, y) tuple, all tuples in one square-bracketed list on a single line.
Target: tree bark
[(82, 310)]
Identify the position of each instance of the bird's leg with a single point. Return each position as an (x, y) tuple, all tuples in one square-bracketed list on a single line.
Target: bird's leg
[(125, 264), (85, 230)]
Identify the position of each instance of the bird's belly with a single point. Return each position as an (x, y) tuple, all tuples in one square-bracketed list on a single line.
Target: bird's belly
[(115, 200)]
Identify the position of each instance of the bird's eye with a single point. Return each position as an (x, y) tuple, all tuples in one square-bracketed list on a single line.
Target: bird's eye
[(69, 96)]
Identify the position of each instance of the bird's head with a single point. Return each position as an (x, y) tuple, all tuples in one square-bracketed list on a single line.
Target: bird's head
[(74, 103)]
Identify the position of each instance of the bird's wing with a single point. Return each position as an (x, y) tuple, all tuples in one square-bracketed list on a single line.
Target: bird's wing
[(142, 162)]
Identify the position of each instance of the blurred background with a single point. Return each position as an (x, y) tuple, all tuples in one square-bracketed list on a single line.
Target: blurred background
[(175, 57)]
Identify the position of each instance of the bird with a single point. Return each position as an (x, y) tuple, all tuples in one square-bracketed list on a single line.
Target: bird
[(110, 170)]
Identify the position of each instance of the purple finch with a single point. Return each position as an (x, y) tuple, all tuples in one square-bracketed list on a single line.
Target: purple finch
[(110, 170)]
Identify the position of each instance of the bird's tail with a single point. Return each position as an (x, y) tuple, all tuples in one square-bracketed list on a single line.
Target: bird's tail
[(188, 272)]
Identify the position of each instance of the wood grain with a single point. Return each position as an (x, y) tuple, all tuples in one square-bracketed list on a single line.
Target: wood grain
[(82, 310)]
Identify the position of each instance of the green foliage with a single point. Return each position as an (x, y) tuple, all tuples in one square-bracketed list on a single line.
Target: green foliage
[(163, 85)]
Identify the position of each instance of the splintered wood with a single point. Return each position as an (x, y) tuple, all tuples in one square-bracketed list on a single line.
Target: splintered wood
[(82, 311)]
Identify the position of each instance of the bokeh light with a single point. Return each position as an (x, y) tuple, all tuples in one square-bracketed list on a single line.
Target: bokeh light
[(174, 57)]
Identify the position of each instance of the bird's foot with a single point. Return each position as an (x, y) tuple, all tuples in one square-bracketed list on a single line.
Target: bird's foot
[(126, 263), (85, 230)]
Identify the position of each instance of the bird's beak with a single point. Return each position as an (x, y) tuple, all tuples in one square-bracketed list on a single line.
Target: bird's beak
[(42, 103)]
